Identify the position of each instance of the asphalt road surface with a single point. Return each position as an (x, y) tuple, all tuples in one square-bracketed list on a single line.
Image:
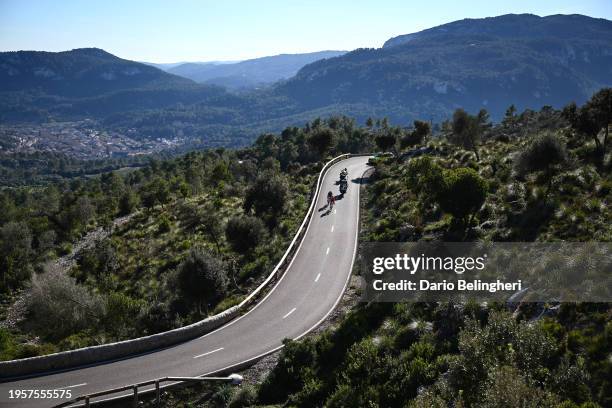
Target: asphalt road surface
[(301, 299)]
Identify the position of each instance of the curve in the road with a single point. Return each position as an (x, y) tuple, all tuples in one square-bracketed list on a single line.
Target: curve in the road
[(301, 299)]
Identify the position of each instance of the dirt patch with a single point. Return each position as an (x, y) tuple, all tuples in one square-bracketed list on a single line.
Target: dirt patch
[(89, 240), (15, 309)]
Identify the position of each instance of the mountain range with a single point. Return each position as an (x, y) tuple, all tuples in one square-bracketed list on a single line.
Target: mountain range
[(78, 73), (249, 73), (491, 63)]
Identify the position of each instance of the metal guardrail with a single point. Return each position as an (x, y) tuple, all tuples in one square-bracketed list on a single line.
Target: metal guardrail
[(96, 354), (234, 379)]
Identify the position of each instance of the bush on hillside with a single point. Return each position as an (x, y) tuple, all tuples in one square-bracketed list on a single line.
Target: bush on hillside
[(417, 136), (202, 278), (545, 151), (464, 192), (245, 397), (290, 373), (58, 307), (267, 196), (15, 249), (245, 233), (426, 178)]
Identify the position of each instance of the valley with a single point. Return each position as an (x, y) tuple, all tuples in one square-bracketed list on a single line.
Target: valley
[(269, 217), (80, 140), (525, 60)]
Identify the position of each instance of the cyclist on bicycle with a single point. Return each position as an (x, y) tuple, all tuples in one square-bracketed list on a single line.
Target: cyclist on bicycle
[(330, 199)]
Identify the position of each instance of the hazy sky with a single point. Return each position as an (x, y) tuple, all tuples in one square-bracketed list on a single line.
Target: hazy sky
[(191, 30)]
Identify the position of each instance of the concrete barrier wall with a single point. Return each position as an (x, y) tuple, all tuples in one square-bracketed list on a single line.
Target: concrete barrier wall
[(122, 349), (111, 351)]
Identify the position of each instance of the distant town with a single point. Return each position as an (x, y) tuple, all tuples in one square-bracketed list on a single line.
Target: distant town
[(81, 139)]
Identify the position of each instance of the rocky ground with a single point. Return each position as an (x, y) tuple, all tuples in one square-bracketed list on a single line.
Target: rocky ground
[(14, 309), (67, 261)]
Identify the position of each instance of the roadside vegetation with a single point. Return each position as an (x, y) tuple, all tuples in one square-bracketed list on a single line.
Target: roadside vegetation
[(536, 176), (197, 234)]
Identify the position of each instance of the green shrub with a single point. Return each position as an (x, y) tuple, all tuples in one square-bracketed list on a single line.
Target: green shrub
[(267, 196), (75, 341), (59, 307), (246, 396), (164, 224), (406, 336), (128, 202), (502, 341), (120, 310), (245, 233), (311, 394), (28, 350), (222, 397), (294, 367), (506, 387), (65, 248), (32, 350), (15, 250), (227, 303), (543, 152), (8, 347), (343, 396), (425, 177), (360, 362), (254, 268), (201, 277), (464, 192)]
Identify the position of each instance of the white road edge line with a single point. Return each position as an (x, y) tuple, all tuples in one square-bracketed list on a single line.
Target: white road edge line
[(259, 356), (332, 230), (72, 386), (287, 315), (327, 252), (210, 352), (317, 278), (346, 282), (348, 278), (225, 326)]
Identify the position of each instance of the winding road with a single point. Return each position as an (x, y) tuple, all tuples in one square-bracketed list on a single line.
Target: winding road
[(304, 296)]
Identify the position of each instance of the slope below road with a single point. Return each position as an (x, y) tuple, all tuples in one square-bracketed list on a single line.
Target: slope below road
[(301, 299)]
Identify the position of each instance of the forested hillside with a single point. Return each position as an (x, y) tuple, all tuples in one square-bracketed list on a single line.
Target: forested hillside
[(524, 60), (134, 252), (250, 73), (538, 176), (535, 177), (78, 73), (138, 198)]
